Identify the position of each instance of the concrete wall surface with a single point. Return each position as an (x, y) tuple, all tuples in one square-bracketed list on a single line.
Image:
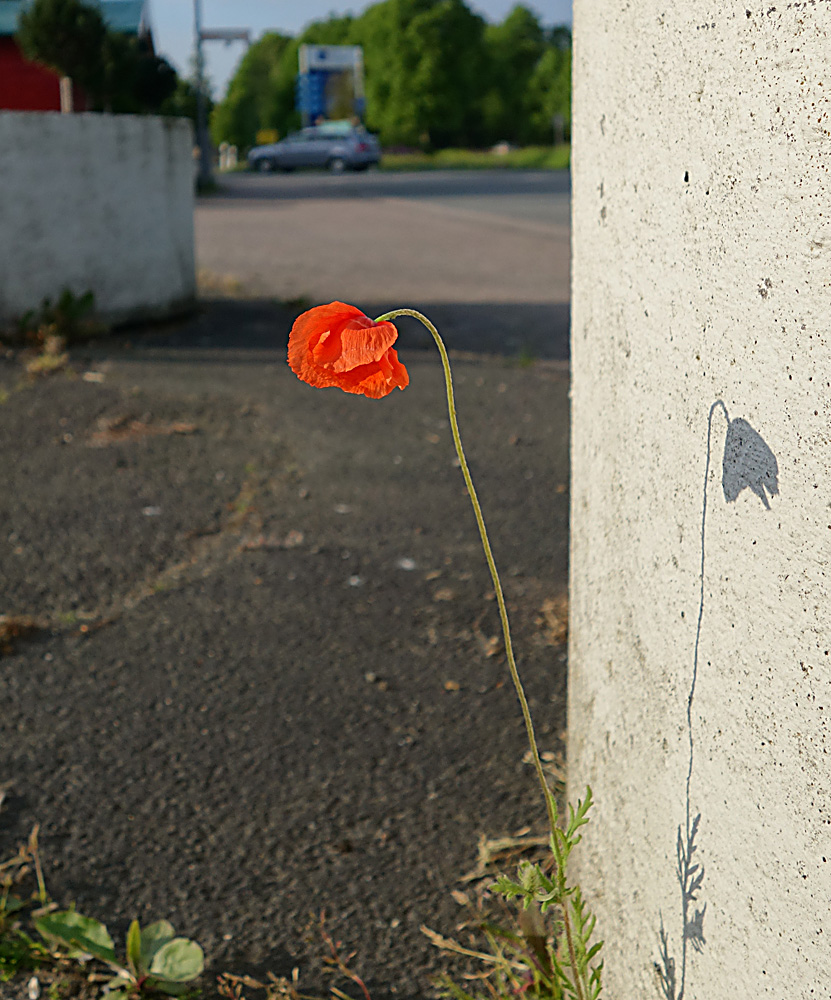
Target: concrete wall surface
[(700, 684), (97, 202)]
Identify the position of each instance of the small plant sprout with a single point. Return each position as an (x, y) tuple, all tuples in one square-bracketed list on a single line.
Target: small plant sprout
[(157, 962), (18, 951), (337, 346)]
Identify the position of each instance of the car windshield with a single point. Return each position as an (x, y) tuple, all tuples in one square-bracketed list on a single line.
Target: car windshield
[(334, 130)]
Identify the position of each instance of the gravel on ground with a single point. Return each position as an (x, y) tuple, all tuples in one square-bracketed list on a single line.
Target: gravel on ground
[(265, 677)]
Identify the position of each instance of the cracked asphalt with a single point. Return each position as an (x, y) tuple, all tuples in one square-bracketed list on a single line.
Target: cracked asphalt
[(265, 676)]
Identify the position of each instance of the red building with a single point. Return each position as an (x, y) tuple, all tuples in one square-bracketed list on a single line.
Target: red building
[(27, 86)]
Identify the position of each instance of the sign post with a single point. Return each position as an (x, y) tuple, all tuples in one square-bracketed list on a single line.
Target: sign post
[(321, 67)]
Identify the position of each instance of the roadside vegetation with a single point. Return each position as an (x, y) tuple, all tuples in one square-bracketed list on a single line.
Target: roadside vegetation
[(438, 77), (529, 158), (61, 954)]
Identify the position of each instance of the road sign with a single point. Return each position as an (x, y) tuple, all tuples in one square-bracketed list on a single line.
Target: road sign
[(310, 94), (320, 67), (328, 57)]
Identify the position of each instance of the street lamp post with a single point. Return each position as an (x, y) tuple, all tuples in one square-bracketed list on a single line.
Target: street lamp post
[(202, 137)]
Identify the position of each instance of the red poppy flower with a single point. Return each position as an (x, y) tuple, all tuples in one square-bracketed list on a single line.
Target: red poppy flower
[(337, 345)]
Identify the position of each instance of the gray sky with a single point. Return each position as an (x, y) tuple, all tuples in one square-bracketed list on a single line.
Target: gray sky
[(173, 24)]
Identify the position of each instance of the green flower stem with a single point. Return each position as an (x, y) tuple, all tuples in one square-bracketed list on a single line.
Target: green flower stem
[(506, 628), (486, 545)]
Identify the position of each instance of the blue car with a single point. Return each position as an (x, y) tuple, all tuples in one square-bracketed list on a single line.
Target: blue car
[(336, 146)]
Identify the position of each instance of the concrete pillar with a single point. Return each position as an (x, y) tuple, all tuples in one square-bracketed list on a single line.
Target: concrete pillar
[(700, 659)]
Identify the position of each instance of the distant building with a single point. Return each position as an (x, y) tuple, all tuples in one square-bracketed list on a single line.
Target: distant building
[(27, 86)]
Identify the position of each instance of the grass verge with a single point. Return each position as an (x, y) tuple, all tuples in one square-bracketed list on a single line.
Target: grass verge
[(529, 158)]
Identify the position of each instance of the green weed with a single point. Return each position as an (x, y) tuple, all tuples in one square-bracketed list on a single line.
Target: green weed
[(156, 961), (21, 889), (549, 953), (529, 158), (69, 319), (35, 936)]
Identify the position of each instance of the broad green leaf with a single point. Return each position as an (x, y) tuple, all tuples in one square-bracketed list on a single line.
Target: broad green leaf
[(80, 935), (152, 938), (134, 955), (178, 961), (171, 989)]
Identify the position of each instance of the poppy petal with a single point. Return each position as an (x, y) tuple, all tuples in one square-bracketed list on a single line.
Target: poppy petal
[(309, 328), (377, 379), (399, 375), (362, 346), (336, 345)]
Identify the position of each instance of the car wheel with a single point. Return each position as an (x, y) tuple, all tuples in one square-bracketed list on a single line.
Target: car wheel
[(264, 165), (337, 165)]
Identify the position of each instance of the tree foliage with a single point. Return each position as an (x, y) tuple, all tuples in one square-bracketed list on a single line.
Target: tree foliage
[(182, 102), (260, 93), (423, 62), (67, 36), (514, 50), (117, 71), (436, 75), (134, 78)]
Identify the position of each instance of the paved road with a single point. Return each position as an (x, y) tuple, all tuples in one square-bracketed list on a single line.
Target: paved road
[(484, 253), (266, 677), (538, 195)]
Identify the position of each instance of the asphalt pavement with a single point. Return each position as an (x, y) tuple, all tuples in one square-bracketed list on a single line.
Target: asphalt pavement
[(485, 253), (265, 676)]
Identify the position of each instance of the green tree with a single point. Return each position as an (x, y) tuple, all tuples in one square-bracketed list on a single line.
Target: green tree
[(181, 103), (514, 50), (155, 80), (118, 72), (134, 78), (424, 64), (435, 76), (549, 93), (68, 36), (260, 94), (334, 31)]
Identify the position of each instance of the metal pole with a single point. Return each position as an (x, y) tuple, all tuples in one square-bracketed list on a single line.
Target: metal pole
[(202, 137)]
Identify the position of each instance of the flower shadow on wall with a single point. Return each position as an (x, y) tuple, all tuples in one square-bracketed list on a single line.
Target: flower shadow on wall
[(747, 462)]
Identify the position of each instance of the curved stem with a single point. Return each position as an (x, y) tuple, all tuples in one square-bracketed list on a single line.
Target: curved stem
[(579, 985), (486, 545)]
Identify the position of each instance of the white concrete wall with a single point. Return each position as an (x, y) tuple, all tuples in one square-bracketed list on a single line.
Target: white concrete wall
[(702, 273), (96, 202)]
